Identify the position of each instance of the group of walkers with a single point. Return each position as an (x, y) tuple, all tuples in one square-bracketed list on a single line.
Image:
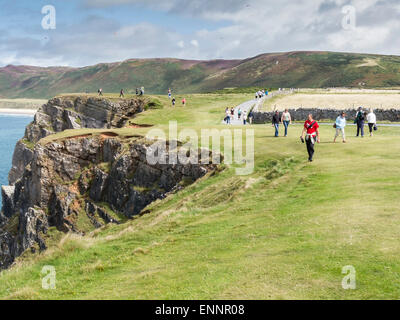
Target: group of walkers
[(173, 102), (139, 92), (285, 119), (311, 132), (261, 93), (241, 116), (311, 128), (173, 99), (361, 117)]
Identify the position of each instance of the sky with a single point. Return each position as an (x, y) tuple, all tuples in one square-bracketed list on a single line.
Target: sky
[(87, 32)]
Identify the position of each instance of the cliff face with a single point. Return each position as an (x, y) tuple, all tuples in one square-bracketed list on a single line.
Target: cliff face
[(81, 183), (64, 113)]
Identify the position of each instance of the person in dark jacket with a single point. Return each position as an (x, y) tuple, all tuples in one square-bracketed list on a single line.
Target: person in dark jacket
[(360, 121), (251, 116), (275, 122)]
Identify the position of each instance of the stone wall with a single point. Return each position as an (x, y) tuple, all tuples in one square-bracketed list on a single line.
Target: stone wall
[(301, 114)]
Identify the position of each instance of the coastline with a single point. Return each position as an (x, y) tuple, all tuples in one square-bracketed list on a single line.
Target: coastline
[(23, 112)]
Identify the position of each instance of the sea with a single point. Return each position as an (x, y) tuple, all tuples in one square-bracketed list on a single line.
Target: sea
[(12, 129)]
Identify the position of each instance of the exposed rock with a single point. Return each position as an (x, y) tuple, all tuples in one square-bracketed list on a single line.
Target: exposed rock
[(75, 175), (53, 185), (7, 194), (32, 224), (21, 158), (93, 210), (6, 249), (27, 234), (60, 114), (60, 207), (99, 184)]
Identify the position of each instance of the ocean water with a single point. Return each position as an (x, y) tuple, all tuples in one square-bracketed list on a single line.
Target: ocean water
[(12, 129)]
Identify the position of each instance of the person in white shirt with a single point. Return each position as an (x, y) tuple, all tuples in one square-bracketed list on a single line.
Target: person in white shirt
[(340, 124), (227, 116), (371, 118)]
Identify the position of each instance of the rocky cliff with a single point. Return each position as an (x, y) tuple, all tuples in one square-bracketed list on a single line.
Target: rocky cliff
[(80, 183), (71, 112)]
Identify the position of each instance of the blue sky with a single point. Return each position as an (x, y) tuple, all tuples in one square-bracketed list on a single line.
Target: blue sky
[(93, 31)]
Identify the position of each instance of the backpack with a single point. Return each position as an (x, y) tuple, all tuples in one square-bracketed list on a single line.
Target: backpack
[(360, 116)]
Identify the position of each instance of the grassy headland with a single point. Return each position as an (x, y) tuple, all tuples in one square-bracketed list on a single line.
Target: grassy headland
[(283, 232)]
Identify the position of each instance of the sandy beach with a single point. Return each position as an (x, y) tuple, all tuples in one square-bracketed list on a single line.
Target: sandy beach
[(29, 112)]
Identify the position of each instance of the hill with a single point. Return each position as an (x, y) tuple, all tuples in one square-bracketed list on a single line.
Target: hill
[(293, 69)]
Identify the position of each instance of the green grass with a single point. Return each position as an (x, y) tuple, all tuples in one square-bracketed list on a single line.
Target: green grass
[(284, 232)]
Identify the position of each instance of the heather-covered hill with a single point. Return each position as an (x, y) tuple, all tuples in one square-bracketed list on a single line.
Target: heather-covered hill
[(293, 69)]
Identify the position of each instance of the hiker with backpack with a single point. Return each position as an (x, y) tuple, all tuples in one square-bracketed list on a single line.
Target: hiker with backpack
[(311, 134), (360, 121)]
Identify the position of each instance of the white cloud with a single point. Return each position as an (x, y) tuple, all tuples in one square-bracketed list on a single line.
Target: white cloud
[(250, 28)]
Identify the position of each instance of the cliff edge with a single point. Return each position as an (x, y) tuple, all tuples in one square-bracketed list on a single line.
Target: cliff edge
[(71, 112), (80, 183)]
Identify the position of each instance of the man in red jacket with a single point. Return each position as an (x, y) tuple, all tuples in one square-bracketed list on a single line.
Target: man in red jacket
[(311, 133)]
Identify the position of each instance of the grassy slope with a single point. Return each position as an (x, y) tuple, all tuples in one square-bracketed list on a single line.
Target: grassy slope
[(284, 232), (295, 69)]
